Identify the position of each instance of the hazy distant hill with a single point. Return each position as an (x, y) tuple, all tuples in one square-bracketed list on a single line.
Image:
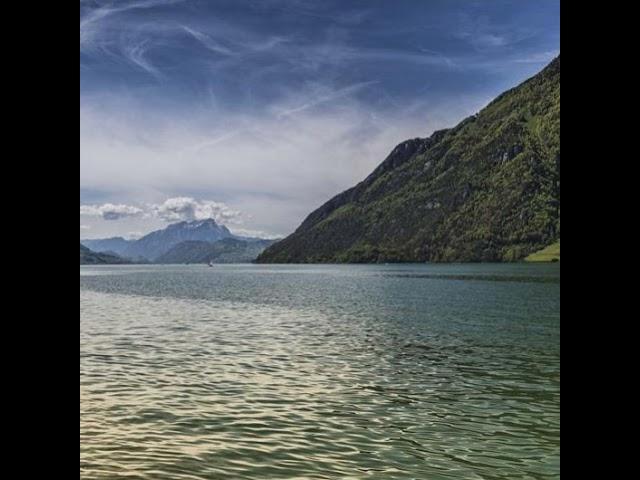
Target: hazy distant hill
[(486, 190), (117, 245), (228, 250), (157, 243), (192, 242), (89, 257)]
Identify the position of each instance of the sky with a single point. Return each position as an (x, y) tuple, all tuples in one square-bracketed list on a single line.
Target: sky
[(256, 112)]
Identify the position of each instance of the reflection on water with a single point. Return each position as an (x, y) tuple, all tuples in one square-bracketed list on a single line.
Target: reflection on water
[(319, 372)]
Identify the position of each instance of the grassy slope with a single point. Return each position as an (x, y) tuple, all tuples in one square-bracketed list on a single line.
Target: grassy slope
[(547, 254)]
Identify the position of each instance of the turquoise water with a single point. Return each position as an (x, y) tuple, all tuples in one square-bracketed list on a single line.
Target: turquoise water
[(257, 372)]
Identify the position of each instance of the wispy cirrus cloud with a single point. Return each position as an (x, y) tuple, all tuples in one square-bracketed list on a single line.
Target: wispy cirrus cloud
[(274, 166), (486, 35), (209, 42), (136, 53), (538, 57), (270, 107), (92, 19), (326, 98)]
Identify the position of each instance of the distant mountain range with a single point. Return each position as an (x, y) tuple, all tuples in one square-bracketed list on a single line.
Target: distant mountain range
[(486, 190), (117, 245), (89, 257), (185, 242), (227, 250)]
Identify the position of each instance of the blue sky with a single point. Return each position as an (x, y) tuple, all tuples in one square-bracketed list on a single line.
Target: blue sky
[(256, 112)]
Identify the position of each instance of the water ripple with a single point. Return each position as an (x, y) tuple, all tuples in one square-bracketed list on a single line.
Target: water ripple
[(394, 383)]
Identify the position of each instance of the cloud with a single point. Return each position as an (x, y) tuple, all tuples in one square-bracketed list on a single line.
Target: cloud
[(485, 34), (189, 209), (327, 97), (171, 210), (136, 53), (92, 19), (271, 107), (208, 42), (109, 211), (236, 46), (244, 232), (275, 165), (539, 57)]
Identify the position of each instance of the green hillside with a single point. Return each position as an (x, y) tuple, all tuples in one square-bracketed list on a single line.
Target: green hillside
[(486, 190)]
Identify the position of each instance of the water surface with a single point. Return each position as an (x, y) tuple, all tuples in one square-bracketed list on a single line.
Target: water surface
[(249, 371)]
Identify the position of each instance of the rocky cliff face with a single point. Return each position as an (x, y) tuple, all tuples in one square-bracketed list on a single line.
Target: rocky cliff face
[(486, 190)]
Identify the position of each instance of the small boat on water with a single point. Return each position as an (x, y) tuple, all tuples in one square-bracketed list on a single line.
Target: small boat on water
[(210, 263)]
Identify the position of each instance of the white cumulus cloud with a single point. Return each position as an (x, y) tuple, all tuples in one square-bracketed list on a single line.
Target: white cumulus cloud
[(189, 209), (172, 210), (109, 211)]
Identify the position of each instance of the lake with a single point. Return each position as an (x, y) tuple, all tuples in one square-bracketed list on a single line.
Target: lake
[(320, 372)]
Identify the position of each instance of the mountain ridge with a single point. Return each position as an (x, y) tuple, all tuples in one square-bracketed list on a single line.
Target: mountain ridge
[(89, 257), (156, 244), (487, 189), (227, 250), (117, 245)]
